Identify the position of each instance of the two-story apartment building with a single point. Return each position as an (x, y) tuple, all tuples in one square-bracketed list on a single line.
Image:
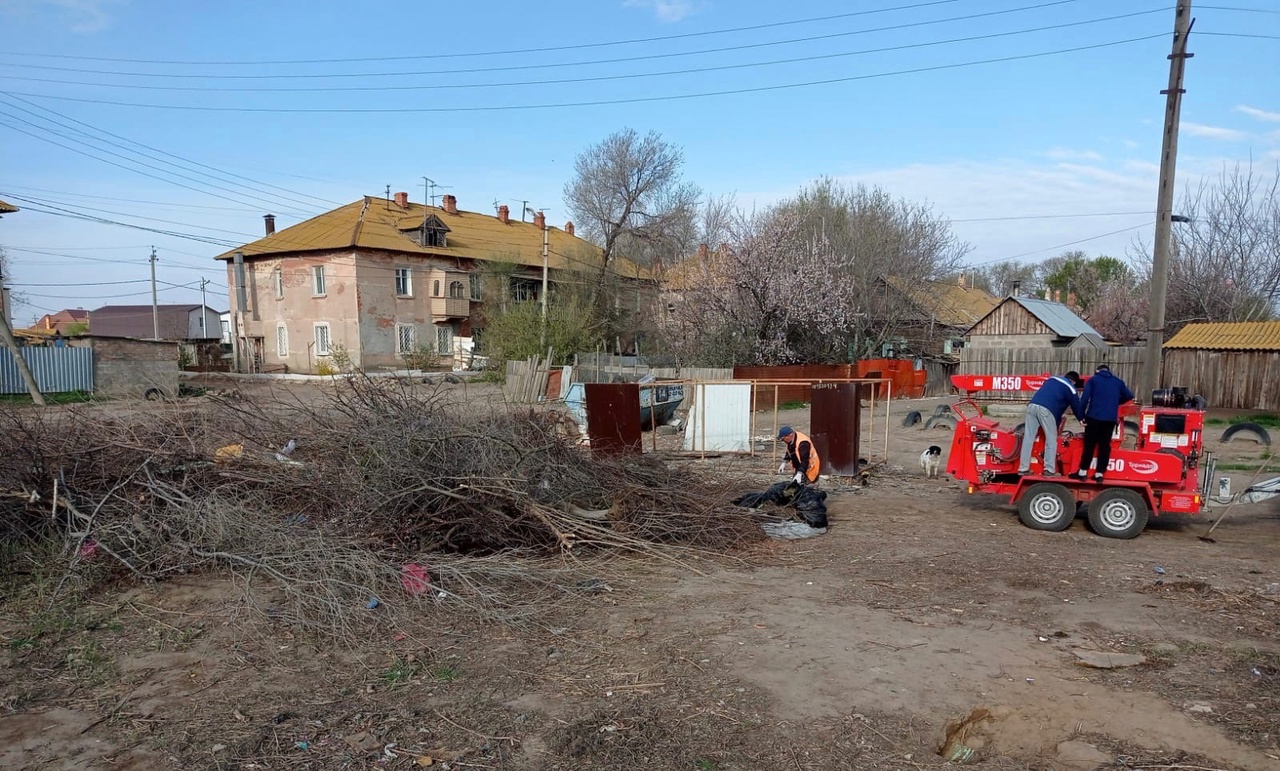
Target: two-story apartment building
[(382, 279)]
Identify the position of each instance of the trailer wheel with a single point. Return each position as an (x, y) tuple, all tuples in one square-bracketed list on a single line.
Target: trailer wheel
[(1118, 513), (1047, 506), (911, 419), (1258, 432)]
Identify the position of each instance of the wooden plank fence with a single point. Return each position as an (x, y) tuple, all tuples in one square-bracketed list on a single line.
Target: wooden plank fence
[(1125, 362), (1244, 380)]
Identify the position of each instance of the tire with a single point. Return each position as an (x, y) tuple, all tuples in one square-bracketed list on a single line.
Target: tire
[(1131, 428), (1047, 506), (942, 409), (1020, 430), (941, 421), (1198, 402), (1250, 428), (153, 395), (912, 418), (1118, 513)]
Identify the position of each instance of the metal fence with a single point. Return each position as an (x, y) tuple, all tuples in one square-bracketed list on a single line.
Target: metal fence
[(56, 370)]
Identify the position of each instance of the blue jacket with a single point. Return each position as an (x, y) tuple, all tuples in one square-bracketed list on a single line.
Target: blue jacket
[(1056, 395), (1103, 395)]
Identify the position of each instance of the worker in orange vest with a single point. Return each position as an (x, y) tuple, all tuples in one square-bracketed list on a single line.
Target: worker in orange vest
[(802, 456)]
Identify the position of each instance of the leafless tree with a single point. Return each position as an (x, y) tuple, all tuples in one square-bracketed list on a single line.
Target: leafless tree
[(873, 237), (628, 196), (1000, 278), (1225, 263)]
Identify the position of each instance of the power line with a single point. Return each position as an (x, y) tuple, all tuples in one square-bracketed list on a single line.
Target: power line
[(114, 163), (1063, 246), (599, 102), (1239, 34), (1237, 8), (275, 196), (554, 65), (47, 202), (1049, 216), (510, 52), (599, 78)]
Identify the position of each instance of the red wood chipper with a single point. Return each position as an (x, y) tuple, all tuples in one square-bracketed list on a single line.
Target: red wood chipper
[(1160, 468)]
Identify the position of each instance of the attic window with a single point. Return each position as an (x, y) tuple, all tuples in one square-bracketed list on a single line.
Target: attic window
[(429, 233)]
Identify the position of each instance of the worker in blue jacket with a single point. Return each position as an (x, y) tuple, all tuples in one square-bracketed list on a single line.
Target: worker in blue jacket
[(1103, 395), (1044, 413)]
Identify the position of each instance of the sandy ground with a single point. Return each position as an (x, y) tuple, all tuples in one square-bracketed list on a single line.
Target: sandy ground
[(853, 650)]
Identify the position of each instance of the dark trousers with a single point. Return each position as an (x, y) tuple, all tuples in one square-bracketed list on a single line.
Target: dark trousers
[(1097, 438)]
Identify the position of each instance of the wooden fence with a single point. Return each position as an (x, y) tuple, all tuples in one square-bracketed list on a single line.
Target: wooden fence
[(1126, 363), (1245, 380)]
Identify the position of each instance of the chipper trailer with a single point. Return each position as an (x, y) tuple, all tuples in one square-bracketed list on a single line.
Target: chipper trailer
[(1161, 468)]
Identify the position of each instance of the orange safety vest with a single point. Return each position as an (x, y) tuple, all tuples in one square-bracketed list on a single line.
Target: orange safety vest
[(793, 455)]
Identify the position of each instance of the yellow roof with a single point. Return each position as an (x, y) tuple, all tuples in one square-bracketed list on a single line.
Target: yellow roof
[(949, 303), (374, 223), (6, 208), (1229, 336)]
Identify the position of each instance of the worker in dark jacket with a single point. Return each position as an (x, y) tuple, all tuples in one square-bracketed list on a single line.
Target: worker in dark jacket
[(1103, 395), (802, 456), (1044, 413)]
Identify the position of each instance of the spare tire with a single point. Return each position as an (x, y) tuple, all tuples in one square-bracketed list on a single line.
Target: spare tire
[(911, 419), (1247, 428), (941, 421)]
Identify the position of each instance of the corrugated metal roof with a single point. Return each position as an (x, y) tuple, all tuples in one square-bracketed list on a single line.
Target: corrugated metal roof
[(1056, 316), (1229, 336), (373, 223)]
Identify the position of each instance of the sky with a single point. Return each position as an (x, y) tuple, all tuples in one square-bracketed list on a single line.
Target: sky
[(1033, 125)]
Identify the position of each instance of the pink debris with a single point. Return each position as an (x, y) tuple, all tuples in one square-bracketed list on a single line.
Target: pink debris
[(415, 579), (88, 549)]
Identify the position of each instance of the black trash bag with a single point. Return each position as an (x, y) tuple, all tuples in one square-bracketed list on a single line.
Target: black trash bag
[(809, 502)]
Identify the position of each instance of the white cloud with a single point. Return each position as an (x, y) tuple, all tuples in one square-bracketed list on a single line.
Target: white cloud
[(1254, 112), (80, 16), (1214, 132), (665, 10)]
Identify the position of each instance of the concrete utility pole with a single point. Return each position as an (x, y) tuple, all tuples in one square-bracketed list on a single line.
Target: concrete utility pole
[(1182, 23), (546, 244), (155, 303), (6, 337), (203, 306)]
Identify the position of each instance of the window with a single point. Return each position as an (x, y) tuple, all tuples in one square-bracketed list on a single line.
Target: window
[(436, 237), (444, 340), (525, 289), (323, 347), (277, 278), (317, 280), (435, 289), (282, 340), (455, 290), (404, 283), (475, 285), (406, 339)]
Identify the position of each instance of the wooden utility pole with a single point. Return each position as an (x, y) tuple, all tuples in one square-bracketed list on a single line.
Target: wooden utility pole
[(546, 247), (1164, 203), (155, 303), (6, 337)]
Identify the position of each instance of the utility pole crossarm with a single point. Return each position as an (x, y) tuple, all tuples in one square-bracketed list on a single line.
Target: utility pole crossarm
[(1164, 201)]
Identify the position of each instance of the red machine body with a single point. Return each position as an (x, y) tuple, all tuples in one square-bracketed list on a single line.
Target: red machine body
[(1162, 466)]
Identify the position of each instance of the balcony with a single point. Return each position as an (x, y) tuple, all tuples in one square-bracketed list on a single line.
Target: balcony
[(450, 307)]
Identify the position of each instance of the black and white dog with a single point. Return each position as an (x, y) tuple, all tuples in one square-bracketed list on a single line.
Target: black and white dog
[(930, 459)]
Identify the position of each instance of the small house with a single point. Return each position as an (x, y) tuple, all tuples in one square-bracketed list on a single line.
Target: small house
[(1029, 322), (1231, 364)]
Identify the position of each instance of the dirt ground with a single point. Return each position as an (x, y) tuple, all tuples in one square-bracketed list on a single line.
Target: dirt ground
[(922, 606)]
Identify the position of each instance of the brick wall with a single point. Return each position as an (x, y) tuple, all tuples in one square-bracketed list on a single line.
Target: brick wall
[(127, 369)]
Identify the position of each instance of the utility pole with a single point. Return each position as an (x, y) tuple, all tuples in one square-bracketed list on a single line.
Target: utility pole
[(546, 243), (155, 303), (1182, 23), (6, 337), (203, 307)]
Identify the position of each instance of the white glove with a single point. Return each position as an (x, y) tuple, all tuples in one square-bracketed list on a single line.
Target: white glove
[(783, 468), (798, 478)]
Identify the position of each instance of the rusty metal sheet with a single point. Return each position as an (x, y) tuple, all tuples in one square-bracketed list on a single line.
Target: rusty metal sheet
[(835, 422), (613, 418)]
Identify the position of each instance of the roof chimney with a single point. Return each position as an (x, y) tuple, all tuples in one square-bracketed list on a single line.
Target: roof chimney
[(450, 203), (1017, 288), (402, 200), (269, 220), (703, 251), (504, 213), (568, 228), (540, 221)]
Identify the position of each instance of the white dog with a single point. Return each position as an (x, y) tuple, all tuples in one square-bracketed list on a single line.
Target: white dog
[(930, 459)]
